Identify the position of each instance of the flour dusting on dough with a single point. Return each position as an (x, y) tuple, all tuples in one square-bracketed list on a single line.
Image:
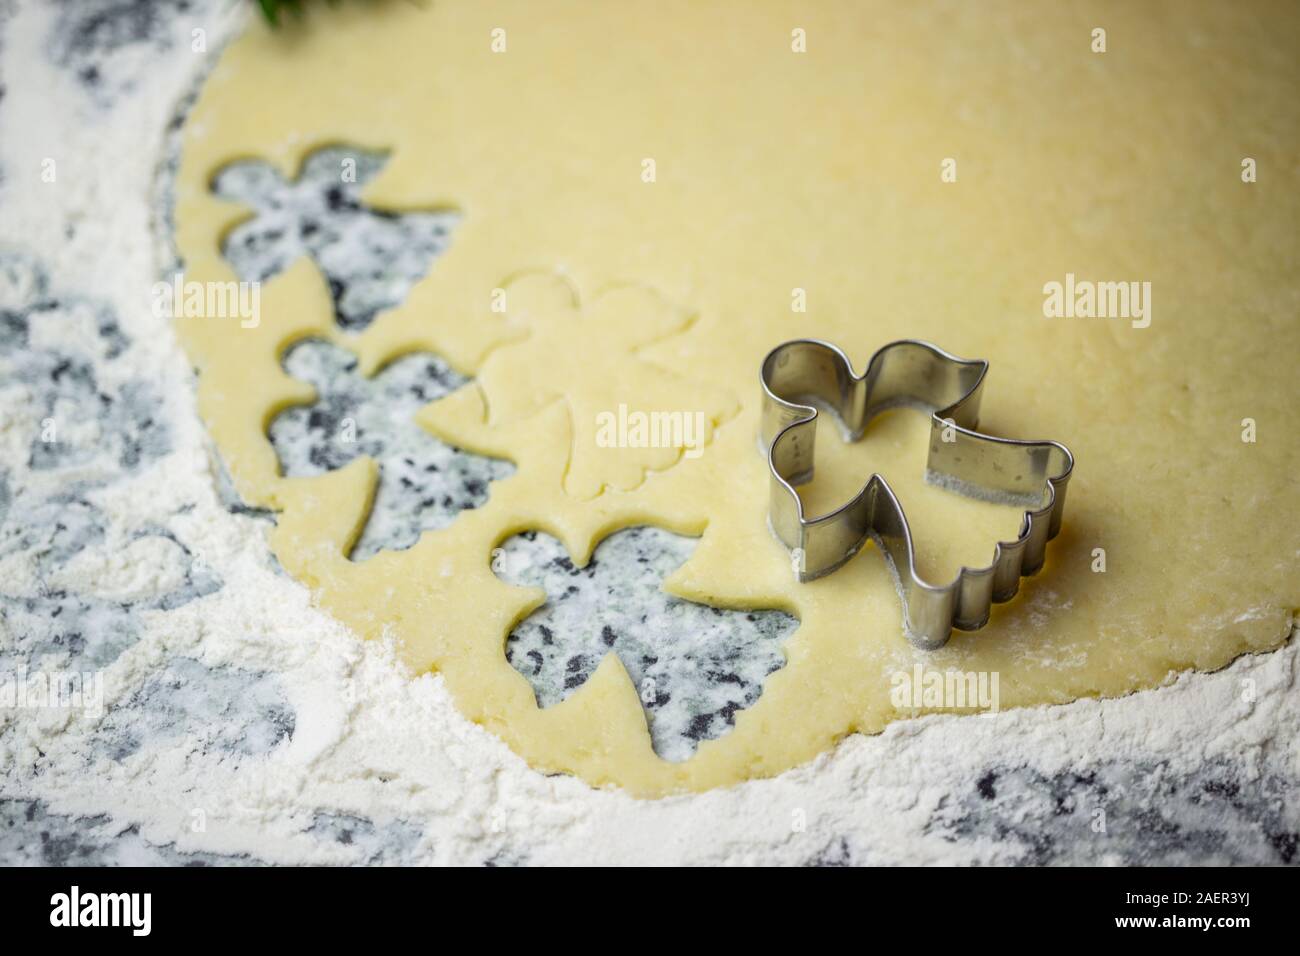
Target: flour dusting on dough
[(332, 753)]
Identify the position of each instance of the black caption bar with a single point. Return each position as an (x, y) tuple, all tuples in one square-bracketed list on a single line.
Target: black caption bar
[(333, 906)]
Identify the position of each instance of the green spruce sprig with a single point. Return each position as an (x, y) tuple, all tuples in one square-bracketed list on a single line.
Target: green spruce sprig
[(271, 9)]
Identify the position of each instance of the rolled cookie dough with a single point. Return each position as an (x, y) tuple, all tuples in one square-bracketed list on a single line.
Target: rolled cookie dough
[(774, 171)]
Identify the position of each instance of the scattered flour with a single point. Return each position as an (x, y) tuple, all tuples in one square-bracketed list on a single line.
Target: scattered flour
[(348, 758)]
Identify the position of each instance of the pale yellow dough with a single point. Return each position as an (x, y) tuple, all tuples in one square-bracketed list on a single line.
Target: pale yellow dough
[(777, 171)]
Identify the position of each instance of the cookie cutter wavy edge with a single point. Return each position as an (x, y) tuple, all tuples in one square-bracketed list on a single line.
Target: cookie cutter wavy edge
[(801, 375)]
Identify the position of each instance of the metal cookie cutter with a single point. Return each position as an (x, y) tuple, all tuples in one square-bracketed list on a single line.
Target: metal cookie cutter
[(800, 375)]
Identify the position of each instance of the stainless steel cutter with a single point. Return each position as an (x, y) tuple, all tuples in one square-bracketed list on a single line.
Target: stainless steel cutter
[(800, 376)]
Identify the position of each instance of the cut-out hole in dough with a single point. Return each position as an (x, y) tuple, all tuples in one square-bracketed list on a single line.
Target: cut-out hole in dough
[(423, 482), (693, 665), (370, 257)]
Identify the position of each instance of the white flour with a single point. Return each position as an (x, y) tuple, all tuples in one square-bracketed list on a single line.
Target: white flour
[(380, 766)]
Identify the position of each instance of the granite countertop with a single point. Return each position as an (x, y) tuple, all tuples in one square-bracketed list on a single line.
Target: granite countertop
[(70, 359)]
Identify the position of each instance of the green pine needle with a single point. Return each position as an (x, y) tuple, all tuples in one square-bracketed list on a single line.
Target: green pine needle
[(271, 9)]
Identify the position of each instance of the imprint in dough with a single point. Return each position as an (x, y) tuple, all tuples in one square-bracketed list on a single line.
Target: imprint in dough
[(587, 355), (779, 171)]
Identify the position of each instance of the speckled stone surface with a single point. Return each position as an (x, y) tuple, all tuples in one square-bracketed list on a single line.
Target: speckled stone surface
[(52, 344), (93, 427), (61, 354), (370, 257), (88, 38), (423, 483), (694, 665)]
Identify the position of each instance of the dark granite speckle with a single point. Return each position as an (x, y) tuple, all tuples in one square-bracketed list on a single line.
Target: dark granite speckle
[(387, 844), (32, 835), (93, 40), (1127, 812), (505, 859), (836, 853), (370, 257), (54, 345), (218, 708), (85, 434), (423, 483), (694, 666)]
